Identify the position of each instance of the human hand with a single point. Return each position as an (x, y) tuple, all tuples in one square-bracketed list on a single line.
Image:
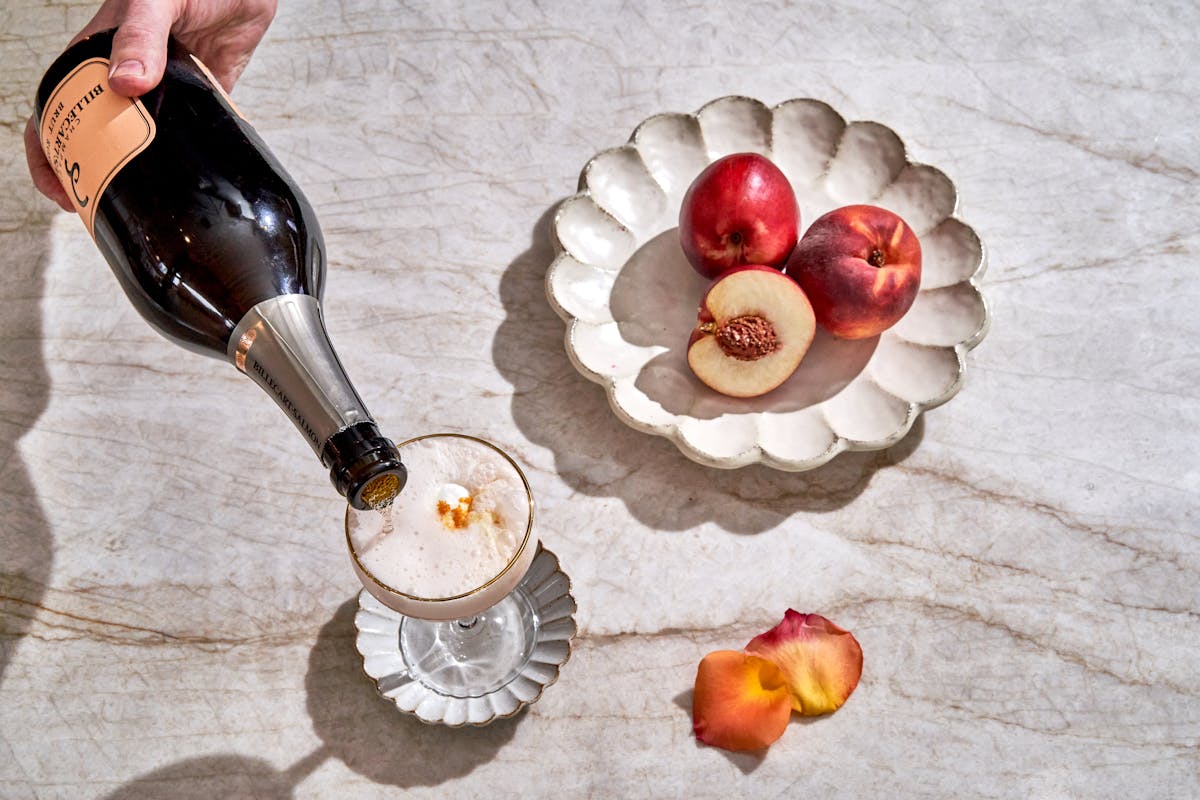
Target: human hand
[(222, 33)]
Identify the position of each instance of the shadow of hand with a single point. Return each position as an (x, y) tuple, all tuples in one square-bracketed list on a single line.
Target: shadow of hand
[(26, 541)]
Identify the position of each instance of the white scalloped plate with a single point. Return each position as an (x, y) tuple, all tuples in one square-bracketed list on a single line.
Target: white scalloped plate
[(378, 641), (621, 283)]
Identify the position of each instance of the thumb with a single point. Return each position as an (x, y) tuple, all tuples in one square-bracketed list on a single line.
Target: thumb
[(139, 49)]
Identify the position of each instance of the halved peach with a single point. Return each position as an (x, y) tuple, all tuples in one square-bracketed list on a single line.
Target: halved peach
[(754, 326)]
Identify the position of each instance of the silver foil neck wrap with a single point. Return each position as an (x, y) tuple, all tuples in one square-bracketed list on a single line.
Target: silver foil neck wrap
[(282, 345)]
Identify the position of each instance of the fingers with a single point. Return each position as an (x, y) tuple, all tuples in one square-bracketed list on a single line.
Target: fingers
[(139, 51), (225, 42), (39, 169)]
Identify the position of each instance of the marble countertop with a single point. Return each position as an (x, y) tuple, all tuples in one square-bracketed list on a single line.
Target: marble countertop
[(1022, 570)]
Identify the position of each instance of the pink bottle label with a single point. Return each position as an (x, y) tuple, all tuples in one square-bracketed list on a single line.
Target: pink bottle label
[(89, 133)]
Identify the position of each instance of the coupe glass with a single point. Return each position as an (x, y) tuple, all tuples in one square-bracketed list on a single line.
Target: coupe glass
[(476, 641)]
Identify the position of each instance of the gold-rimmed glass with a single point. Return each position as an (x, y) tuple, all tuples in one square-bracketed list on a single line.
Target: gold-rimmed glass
[(472, 642)]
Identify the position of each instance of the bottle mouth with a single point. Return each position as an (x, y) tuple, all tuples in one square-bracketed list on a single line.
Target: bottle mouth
[(364, 466), (381, 490)]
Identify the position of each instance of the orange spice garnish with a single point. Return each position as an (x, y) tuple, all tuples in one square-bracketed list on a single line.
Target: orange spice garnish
[(457, 516)]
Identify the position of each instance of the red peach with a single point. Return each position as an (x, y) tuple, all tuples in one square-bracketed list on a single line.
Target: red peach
[(860, 267), (740, 210)]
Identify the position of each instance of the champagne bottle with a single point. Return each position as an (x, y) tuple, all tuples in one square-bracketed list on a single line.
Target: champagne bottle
[(212, 242)]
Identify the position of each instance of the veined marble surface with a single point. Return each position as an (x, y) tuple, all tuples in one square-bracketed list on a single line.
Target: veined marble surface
[(1022, 570)]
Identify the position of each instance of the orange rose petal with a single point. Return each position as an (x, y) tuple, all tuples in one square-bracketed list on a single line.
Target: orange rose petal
[(741, 701), (821, 662)]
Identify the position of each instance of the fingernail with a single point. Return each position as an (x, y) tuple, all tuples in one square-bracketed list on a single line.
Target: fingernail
[(129, 68)]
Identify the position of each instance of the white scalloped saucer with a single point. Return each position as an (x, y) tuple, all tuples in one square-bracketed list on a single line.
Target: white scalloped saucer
[(548, 591), (629, 298)]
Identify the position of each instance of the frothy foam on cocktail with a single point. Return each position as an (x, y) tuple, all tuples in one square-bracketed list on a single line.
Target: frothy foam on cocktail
[(457, 523)]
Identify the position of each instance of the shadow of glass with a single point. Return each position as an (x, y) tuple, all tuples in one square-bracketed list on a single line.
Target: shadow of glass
[(370, 735), (596, 454), (26, 545)]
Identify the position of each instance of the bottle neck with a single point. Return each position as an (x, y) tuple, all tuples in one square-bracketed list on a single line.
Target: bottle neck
[(282, 345)]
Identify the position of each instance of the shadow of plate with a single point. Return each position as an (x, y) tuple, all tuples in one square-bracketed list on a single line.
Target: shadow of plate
[(598, 455)]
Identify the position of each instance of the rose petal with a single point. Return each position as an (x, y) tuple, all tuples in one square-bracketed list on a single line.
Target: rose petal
[(821, 662), (741, 701)]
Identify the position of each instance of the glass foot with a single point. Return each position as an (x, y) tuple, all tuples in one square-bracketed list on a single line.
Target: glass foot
[(471, 657)]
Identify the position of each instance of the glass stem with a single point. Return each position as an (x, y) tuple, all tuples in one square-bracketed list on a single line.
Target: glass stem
[(467, 623)]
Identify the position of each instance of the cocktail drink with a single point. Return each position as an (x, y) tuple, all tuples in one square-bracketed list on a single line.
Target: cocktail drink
[(448, 554)]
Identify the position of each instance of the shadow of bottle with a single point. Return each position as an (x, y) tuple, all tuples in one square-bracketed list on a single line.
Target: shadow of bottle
[(219, 776), (355, 724)]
